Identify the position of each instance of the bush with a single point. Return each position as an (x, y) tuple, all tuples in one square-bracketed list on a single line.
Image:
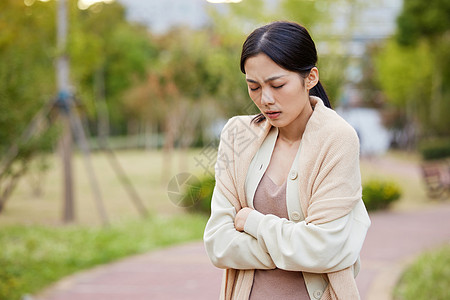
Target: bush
[(378, 194), (435, 149), (204, 194), (427, 278)]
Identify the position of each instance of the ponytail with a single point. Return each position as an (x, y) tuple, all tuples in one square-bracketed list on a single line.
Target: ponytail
[(319, 91)]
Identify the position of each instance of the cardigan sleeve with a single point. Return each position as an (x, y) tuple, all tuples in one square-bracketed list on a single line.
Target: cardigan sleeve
[(302, 246), (227, 247)]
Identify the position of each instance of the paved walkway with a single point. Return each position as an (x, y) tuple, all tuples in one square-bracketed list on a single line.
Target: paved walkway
[(184, 272)]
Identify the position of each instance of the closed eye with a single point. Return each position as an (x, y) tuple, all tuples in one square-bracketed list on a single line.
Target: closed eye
[(278, 87), (254, 89)]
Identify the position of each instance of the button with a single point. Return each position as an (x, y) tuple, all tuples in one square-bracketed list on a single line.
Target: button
[(260, 166), (317, 294), (296, 216), (293, 175)]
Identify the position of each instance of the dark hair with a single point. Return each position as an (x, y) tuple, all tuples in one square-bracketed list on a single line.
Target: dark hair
[(290, 46)]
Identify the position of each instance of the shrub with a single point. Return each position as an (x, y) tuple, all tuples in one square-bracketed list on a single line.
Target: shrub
[(378, 194), (435, 149), (204, 194)]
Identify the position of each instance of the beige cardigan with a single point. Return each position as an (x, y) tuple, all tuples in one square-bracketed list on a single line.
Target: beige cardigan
[(329, 183)]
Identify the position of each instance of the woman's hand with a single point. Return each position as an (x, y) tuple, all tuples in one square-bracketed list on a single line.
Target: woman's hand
[(241, 218)]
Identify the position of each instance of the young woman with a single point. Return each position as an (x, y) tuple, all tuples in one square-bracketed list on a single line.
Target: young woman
[(287, 219)]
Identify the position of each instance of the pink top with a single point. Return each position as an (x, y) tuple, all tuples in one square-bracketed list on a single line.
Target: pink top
[(275, 284)]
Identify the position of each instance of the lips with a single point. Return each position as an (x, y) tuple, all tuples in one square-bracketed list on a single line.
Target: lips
[(272, 114)]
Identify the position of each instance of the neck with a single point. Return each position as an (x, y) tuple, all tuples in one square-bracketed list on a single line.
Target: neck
[(293, 133)]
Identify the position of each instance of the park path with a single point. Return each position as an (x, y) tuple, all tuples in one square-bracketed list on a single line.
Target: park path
[(184, 272)]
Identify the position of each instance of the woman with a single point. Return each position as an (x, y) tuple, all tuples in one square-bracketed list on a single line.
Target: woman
[(287, 220)]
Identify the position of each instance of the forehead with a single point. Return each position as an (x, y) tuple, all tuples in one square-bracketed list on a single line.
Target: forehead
[(261, 67)]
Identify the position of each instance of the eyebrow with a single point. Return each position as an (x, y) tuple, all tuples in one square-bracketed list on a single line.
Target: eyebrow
[(267, 80)]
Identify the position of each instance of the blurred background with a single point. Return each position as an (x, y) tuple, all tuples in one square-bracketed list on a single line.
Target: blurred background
[(110, 113)]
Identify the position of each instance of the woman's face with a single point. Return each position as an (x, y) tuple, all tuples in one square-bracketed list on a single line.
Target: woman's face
[(281, 95)]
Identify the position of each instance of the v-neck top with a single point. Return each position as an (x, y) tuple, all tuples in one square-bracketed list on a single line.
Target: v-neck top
[(270, 198)]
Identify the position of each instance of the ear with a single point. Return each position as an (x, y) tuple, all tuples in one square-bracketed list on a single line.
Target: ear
[(312, 79)]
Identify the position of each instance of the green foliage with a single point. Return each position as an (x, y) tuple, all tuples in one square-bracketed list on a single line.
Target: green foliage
[(378, 194), (330, 69), (423, 19), (435, 149), (427, 278), (203, 203), (405, 83), (413, 69), (26, 71), (307, 13), (109, 55), (416, 88), (32, 257)]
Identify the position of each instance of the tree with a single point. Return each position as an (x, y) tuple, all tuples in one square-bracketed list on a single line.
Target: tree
[(110, 55), (107, 53), (26, 83), (423, 19), (414, 67), (26, 72)]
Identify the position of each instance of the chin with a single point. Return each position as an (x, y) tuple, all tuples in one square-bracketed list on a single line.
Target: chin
[(276, 123)]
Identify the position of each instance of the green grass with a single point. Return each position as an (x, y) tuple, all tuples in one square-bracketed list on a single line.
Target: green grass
[(427, 278), (32, 257), (147, 170)]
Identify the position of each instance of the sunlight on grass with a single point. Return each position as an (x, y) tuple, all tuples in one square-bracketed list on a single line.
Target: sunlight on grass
[(142, 167)]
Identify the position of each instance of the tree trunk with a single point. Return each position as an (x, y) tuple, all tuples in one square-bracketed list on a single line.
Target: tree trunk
[(169, 140), (102, 107), (66, 156)]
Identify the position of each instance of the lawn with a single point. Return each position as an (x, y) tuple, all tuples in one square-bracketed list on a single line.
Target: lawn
[(427, 278), (144, 169)]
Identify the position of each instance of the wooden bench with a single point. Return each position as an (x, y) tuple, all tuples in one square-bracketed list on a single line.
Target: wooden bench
[(436, 175)]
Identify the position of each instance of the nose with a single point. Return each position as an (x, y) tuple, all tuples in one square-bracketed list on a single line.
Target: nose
[(267, 98)]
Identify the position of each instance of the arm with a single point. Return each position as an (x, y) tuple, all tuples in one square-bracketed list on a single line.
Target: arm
[(227, 247), (323, 248)]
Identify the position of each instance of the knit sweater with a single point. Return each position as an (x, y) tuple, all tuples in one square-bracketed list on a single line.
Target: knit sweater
[(329, 185)]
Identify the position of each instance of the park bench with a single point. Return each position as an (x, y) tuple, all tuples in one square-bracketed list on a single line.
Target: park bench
[(436, 175)]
